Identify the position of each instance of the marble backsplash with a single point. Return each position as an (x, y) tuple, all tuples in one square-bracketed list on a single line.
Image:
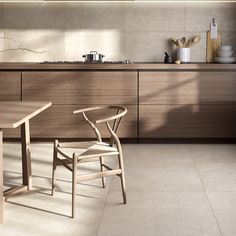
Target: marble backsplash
[(135, 31)]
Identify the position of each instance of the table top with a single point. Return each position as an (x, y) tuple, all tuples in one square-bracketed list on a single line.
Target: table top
[(13, 114)]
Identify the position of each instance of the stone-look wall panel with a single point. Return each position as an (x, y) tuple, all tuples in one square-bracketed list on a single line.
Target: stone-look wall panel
[(136, 31), (36, 26)]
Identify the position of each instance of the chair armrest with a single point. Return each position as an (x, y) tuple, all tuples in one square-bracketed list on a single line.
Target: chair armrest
[(85, 109), (112, 117)]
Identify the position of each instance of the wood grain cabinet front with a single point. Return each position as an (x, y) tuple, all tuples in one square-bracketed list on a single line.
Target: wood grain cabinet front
[(10, 90), (191, 104), (85, 87), (10, 86), (187, 87), (73, 90)]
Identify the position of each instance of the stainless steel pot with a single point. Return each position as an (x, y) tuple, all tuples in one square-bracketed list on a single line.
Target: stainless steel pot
[(93, 56)]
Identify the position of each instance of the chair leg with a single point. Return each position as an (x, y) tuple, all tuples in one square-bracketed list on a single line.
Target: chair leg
[(122, 177), (74, 182), (54, 167), (102, 168)]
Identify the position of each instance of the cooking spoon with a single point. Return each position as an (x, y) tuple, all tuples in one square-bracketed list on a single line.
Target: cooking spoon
[(195, 40)]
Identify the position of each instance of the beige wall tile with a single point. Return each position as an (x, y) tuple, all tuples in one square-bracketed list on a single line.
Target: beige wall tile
[(200, 15), (88, 16), (154, 17), (108, 42), (198, 52), (138, 31), (149, 46), (34, 16), (36, 26), (50, 41), (229, 38)]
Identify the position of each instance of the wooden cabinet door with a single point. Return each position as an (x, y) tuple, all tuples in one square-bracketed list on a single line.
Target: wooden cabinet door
[(10, 90), (73, 90), (88, 87), (192, 104), (59, 122), (187, 121), (10, 86), (188, 87)]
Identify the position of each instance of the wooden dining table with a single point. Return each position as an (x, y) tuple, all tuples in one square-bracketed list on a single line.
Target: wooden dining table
[(13, 115)]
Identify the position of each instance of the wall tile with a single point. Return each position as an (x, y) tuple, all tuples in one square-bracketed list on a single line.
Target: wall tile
[(50, 41), (108, 42), (88, 16), (155, 17), (34, 16), (200, 15), (229, 38), (198, 52), (36, 26), (138, 31)]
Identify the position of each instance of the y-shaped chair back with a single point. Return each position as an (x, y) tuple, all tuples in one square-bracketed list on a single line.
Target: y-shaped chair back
[(112, 128)]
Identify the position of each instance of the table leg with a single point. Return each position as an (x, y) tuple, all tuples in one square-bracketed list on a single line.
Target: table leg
[(1, 179), (26, 155)]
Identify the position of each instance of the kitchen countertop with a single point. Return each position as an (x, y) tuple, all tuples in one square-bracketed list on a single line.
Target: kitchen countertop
[(114, 66)]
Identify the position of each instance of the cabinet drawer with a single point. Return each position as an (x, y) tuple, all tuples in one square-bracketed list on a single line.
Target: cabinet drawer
[(187, 121), (58, 121), (187, 87), (81, 87)]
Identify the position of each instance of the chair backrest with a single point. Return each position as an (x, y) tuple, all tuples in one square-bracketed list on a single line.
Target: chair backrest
[(119, 112)]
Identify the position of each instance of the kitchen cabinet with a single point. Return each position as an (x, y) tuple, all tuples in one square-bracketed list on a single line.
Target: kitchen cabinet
[(191, 104), (163, 100), (10, 87), (73, 90), (187, 121)]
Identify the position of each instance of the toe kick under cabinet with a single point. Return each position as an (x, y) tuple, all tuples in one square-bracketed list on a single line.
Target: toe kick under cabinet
[(69, 91), (187, 104)]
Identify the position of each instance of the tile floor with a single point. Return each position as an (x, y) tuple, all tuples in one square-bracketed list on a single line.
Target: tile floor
[(173, 190)]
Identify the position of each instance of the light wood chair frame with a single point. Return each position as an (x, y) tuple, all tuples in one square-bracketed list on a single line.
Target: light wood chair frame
[(71, 163)]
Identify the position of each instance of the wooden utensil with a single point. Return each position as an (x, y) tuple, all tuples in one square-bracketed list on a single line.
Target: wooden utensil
[(180, 43), (174, 40), (194, 41), (183, 41)]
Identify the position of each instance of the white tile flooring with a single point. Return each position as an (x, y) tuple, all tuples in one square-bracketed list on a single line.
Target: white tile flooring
[(173, 190)]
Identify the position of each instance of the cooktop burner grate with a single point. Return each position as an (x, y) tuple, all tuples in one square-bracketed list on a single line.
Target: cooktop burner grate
[(83, 62)]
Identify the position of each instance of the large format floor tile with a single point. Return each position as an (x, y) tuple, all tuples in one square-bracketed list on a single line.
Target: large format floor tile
[(224, 207), (158, 213), (37, 213), (172, 189), (161, 167)]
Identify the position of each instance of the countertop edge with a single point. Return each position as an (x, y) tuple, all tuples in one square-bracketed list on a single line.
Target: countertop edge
[(111, 66)]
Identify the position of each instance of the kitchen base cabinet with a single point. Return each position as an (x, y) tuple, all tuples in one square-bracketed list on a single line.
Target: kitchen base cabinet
[(10, 90), (86, 87), (187, 104), (58, 121), (187, 121), (74, 90), (187, 87)]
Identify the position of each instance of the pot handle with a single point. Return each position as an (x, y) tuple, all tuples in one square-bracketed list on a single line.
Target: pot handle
[(93, 52)]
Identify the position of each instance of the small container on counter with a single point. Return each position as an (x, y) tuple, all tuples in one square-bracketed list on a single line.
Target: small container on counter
[(183, 54)]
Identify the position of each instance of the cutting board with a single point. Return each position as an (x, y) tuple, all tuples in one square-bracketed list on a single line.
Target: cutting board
[(213, 41)]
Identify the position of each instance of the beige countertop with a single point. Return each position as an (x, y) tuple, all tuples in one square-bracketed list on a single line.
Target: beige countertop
[(114, 66)]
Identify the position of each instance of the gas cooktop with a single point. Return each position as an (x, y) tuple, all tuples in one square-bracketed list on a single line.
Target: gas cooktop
[(84, 62)]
